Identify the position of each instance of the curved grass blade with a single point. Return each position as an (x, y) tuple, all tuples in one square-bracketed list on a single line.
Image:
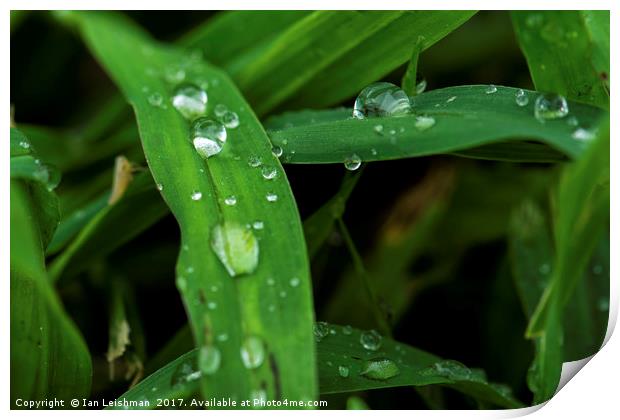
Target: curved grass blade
[(281, 314), (465, 117), (42, 334), (377, 55), (343, 366), (567, 52)]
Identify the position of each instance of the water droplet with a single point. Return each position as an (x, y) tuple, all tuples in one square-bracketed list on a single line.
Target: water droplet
[(174, 75), (255, 161), (231, 200), (184, 373), (371, 340), (449, 369), (378, 129), (214, 288), (181, 283), (230, 119), (220, 110), (381, 99), (582, 134), (156, 99), (283, 294), (271, 281), (420, 87), (347, 330), (222, 337), (209, 359), (352, 162), (534, 20), (271, 308), (208, 137), (159, 186), (252, 352), (271, 197), (521, 98), (321, 330), (373, 151), (294, 282), (190, 101), (424, 122), (550, 107), (544, 268), (380, 369), (189, 270), (212, 305), (572, 121), (490, 89), (236, 247), (277, 151), (343, 371), (269, 172), (258, 225), (196, 195), (451, 99), (258, 397), (24, 144)]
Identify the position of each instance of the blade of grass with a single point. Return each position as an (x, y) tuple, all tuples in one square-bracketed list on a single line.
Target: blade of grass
[(288, 367), (410, 78), (567, 52), (342, 350), (472, 119)]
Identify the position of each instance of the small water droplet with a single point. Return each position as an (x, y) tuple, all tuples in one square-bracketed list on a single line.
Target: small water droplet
[(222, 337), (294, 282), (550, 107), (572, 121), (424, 122), (534, 20), (381, 99), (378, 129), (277, 151), (196, 195), (255, 161), (352, 162), (252, 352), (181, 283), (185, 373), (521, 98), (379, 369), (174, 75), (320, 330), (373, 151), (271, 281), (420, 87), (597, 269), (214, 288), (269, 172), (271, 197), (159, 186), (208, 137), (343, 371), (581, 134), (209, 359), (490, 89), (258, 225), (231, 200), (283, 294), (271, 308), (220, 110), (190, 101), (451, 99), (189, 270), (236, 247), (212, 305), (347, 330), (449, 369), (230, 119), (155, 99), (371, 340), (258, 397), (24, 144)]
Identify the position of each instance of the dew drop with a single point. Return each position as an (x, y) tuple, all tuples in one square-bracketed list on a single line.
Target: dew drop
[(379, 369), (181, 283), (381, 99), (209, 359), (190, 101), (420, 87), (320, 330), (277, 151), (269, 172), (255, 161), (424, 122), (450, 369), (222, 337), (231, 200), (24, 144), (185, 373), (212, 305), (155, 99), (230, 119), (271, 281), (283, 294), (208, 137), (521, 98), (220, 110), (371, 340), (550, 107), (196, 195), (294, 282), (347, 330), (378, 129), (252, 352), (343, 371), (352, 162), (572, 121), (159, 186), (258, 225), (174, 75), (490, 89), (373, 151), (451, 99), (236, 247), (582, 134), (271, 197)]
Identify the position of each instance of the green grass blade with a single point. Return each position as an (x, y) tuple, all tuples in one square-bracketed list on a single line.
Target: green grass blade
[(410, 78), (41, 332), (341, 360), (376, 56), (281, 315), (465, 117), (567, 52)]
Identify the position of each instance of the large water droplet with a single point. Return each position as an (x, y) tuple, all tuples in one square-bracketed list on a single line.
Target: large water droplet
[(379, 369), (550, 107), (424, 122), (352, 162), (208, 137), (371, 340), (209, 359), (190, 101), (236, 247), (252, 352), (277, 151), (381, 99), (269, 172), (320, 330), (521, 98)]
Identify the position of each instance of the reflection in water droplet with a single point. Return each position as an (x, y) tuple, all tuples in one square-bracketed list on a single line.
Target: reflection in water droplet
[(258, 225), (174, 75), (352, 162), (159, 186), (208, 137), (347, 330), (156, 99), (269, 172), (184, 373), (220, 110), (420, 87), (230, 119), (277, 151), (190, 101), (381, 99), (236, 247), (371, 340), (521, 98), (255, 161), (582, 134), (550, 107)]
